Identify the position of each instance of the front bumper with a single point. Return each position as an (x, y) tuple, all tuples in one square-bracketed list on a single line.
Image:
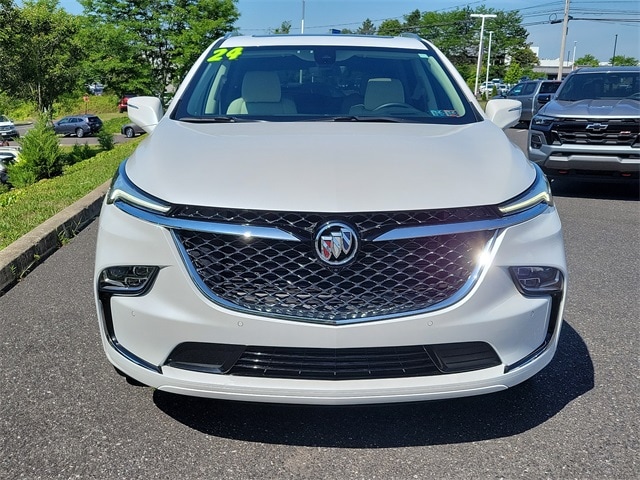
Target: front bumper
[(139, 333), (9, 134), (605, 160)]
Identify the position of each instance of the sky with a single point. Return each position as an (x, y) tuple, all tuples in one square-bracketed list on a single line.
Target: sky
[(599, 27)]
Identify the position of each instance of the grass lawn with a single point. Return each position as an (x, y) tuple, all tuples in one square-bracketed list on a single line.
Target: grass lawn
[(22, 209)]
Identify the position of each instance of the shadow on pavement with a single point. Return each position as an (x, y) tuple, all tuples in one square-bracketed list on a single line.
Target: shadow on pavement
[(471, 419), (607, 190)]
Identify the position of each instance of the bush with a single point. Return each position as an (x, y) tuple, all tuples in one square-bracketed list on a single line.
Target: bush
[(40, 156), (105, 139), (78, 153)]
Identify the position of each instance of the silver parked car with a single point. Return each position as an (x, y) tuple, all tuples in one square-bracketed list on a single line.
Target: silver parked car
[(591, 126), (130, 130), (78, 125), (527, 93)]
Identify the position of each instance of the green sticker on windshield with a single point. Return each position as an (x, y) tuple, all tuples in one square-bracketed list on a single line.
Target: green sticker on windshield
[(222, 53)]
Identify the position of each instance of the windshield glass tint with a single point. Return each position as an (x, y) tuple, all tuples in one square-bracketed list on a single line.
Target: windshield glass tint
[(297, 83), (603, 85)]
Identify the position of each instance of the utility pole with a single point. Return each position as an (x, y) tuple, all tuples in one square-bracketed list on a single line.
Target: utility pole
[(615, 44), (488, 61), (482, 16), (565, 30), (573, 60), (302, 22)]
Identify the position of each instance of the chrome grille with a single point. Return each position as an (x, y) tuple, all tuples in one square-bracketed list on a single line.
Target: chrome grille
[(605, 132), (286, 279)]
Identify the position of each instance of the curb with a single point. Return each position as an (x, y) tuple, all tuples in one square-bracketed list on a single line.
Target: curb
[(20, 257)]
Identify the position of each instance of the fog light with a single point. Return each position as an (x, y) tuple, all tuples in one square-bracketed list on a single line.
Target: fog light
[(127, 280), (536, 142), (537, 280)]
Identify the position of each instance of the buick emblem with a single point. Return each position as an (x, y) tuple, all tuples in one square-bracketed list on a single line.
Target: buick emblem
[(597, 127), (336, 243)]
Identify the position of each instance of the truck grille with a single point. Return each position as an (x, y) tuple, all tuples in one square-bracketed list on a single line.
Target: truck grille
[(286, 279), (593, 132)]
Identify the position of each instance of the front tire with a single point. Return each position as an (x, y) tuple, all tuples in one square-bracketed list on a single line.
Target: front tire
[(129, 133)]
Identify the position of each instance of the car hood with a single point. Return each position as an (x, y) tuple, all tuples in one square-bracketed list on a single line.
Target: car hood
[(330, 166), (618, 108)]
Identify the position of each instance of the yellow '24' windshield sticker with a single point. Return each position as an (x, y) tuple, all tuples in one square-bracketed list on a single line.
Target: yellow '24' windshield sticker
[(221, 53)]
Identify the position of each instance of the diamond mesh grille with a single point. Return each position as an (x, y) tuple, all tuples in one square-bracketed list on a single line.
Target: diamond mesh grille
[(286, 279)]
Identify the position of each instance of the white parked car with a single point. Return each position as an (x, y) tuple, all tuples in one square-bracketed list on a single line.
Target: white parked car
[(328, 220)]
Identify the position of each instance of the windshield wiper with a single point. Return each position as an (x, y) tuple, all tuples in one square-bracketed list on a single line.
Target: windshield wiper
[(218, 119), (361, 118)]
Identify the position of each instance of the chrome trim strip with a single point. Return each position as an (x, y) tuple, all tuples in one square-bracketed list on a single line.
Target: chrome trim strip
[(247, 231), (403, 233), (274, 233), (456, 297)]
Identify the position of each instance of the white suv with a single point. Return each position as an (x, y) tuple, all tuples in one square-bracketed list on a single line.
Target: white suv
[(328, 220)]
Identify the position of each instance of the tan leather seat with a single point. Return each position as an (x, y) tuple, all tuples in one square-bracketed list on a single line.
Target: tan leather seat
[(380, 91), (261, 95)]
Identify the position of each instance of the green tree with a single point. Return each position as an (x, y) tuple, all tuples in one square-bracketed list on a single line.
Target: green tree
[(113, 58), (284, 28), (513, 74), (390, 27), (587, 60), (412, 21), (167, 35), (40, 53), (367, 28), (622, 60), (40, 156)]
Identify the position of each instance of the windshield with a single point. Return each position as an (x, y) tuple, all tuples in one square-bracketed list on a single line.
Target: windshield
[(600, 86), (323, 83)]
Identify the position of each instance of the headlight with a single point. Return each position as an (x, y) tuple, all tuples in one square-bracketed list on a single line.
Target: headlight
[(538, 193), (122, 189), (542, 121)]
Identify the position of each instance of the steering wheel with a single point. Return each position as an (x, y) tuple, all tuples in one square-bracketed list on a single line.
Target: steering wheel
[(393, 104)]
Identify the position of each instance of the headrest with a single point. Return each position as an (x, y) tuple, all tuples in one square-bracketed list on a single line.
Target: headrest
[(383, 90), (261, 87)]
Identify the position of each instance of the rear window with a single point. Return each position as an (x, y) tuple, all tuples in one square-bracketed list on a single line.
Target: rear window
[(306, 83), (549, 87)]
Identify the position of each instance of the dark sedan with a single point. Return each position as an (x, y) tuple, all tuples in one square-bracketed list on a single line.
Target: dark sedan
[(131, 130)]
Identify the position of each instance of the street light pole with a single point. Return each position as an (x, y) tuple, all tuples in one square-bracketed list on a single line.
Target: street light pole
[(615, 44), (573, 60), (488, 61), (302, 22), (482, 16), (565, 29)]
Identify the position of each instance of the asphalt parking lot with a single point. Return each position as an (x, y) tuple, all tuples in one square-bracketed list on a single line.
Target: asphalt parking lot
[(65, 413)]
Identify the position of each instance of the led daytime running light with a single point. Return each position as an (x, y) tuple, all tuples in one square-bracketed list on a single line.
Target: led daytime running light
[(539, 192), (124, 190)]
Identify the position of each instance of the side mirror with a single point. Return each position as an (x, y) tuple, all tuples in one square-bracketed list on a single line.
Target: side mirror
[(145, 112), (504, 113), (544, 98)]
